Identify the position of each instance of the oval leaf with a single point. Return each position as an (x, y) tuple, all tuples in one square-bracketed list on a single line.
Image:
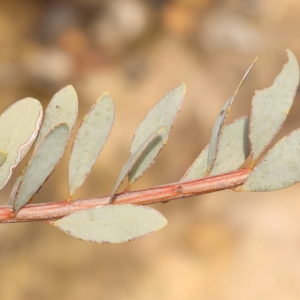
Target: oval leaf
[(136, 160), (89, 140), (219, 125), (279, 168), (270, 107), (111, 224), (63, 108), (19, 126), (162, 114), (43, 161), (234, 149)]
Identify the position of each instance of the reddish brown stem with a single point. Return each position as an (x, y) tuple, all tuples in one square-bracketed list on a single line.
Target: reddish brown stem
[(50, 211)]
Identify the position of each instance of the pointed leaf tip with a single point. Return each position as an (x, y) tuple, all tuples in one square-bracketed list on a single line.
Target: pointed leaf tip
[(111, 224), (62, 108), (270, 107), (162, 114), (219, 125)]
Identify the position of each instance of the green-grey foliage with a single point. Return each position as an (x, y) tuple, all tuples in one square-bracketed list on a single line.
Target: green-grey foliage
[(232, 153), (278, 168), (90, 140), (63, 108), (162, 114), (229, 147), (271, 106), (19, 125), (112, 223), (43, 161), (136, 159), (218, 127)]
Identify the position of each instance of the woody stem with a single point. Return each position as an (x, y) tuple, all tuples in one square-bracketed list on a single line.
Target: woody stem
[(178, 190)]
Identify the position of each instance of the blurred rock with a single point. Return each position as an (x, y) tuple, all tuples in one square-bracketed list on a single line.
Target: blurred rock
[(226, 30), (50, 65), (177, 19), (120, 23), (56, 19), (136, 66)]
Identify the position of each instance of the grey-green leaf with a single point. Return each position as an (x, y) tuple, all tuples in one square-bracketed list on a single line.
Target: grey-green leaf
[(3, 157), (112, 224), (233, 151), (216, 134), (135, 161), (19, 125), (219, 125), (271, 106), (162, 114), (198, 169), (43, 161), (63, 108), (90, 140), (279, 168), (14, 190), (233, 148)]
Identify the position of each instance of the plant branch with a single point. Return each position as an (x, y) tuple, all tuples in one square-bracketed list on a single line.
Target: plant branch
[(160, 194)]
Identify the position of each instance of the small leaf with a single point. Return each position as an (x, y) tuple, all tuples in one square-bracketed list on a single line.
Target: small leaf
[(271, 106), (89, 140), (279, 168), (111, 224), (233, 148), (216, 134), (43, 161), (233, 151), (219, 125), (19, 125), (162, 114), (136, 159), (63, 108)]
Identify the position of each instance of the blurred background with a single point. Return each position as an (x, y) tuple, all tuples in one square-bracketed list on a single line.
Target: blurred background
[(225, 245)]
